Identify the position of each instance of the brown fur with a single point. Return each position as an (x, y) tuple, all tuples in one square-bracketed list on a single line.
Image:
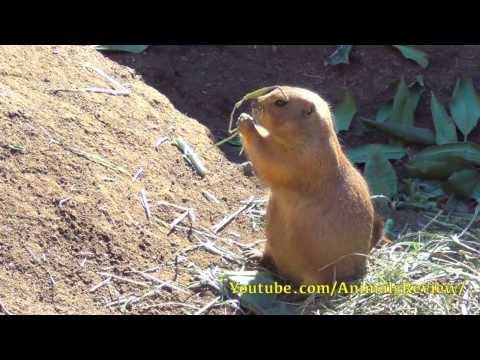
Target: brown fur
[(321, 222)]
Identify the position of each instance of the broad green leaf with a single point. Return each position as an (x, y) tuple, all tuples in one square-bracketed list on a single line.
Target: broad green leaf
[(420, 57), (436, 169), (465, 106), (445, 129), (345, 112), (259, 303), (464, 183), (361, 154), (136, 49), (405, 132), (414, 92), (476, 193), (384, 112), (381, 176), (467, 152), (340, 56), (405, 103)]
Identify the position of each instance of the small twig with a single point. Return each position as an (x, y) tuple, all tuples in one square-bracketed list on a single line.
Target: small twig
[(169, 304), (119, 278), (99, 285), (208, 306), (112, 81), (181, 208), (162, 283), (432, 220), (456, 240), (474, 218), (4, 309), (107, 91), (146, 207), (160, 141), (229, 218), (210, 197), (34, 256), (119, 89), (177, 221), (217, 251), (63, 201), (137, 174), (121, 301)]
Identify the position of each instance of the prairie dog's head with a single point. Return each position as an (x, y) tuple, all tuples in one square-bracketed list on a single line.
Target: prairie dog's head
[(290, 111)]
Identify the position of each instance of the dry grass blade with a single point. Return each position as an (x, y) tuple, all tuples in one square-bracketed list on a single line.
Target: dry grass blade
[(208, 306), (146, 206), (177, 221), (98, 160), (229, 218), (137, 174), (4, 309), (214, 249), (100, 284), (119, 278), (161, 283), (210, 197), (119, 88), (160, 141)]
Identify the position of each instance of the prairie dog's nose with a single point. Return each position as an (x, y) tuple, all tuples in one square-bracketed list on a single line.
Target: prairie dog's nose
[(254, 104)]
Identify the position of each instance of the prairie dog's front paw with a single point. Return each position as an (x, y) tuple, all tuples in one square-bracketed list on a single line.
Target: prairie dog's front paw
[(245, 123), (253, 255)]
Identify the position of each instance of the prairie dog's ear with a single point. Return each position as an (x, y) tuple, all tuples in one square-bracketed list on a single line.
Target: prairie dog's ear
[(308, 110)]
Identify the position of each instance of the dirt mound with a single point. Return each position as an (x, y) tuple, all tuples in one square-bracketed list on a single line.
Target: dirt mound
[(70, 207)]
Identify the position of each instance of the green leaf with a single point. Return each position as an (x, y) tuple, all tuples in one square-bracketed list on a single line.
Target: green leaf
[(435, 169), (405, 132), (464, 183), (405, 103), (136, 49), (384, 112), (340, 56), (259, 303), (420, 57), (406, 99), (467, 152), (476, 193), (361, 154), (439, 162), (381, 175), (445, 129), (465, 106), (345, 112)]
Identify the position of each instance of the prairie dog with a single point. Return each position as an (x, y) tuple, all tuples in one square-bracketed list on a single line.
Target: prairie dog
[(321, 222)]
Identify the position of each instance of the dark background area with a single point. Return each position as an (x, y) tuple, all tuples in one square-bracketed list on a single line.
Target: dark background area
[(204, 82)]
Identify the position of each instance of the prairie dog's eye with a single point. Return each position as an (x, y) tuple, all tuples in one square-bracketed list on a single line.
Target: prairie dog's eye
[(281, 103)]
